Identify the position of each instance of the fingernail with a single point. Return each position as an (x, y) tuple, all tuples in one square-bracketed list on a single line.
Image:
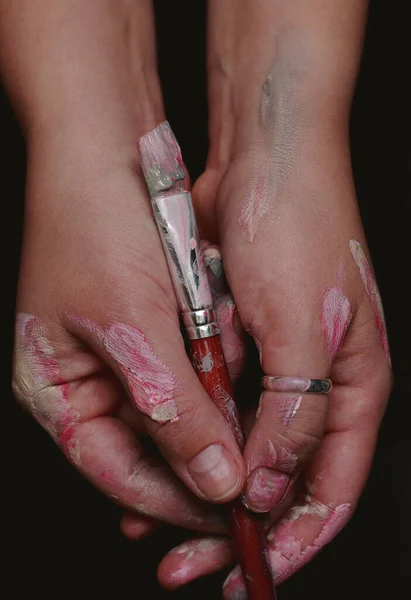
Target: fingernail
[(215, 472), (265, 488)]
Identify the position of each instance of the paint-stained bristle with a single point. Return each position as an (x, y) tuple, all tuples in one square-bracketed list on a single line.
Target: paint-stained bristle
[(161, 159)]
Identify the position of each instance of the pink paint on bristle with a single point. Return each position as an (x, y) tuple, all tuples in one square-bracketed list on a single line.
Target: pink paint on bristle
[(159, 149)]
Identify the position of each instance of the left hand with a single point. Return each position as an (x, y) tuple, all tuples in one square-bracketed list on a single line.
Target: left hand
[(296, 261)]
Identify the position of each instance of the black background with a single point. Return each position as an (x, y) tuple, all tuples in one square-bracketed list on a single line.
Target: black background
[(61, 536)]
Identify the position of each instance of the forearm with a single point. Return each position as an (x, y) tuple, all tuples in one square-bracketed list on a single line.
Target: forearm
[(301, 55), (72, 65)]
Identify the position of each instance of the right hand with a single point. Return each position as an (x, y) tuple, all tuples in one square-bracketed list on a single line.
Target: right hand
[(99, 356), (99, 359)]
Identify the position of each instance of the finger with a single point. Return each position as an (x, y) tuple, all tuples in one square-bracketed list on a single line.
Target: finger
[(195, 558), (289, 426), (286, 326), (135, 527), (231, 330), (337, 473), (322, 513), (204, 556), (81, 417), (112, 458), (232, 335), (163, 386)]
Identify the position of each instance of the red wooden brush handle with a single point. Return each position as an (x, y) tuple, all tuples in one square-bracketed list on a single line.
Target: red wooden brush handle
[(246, 529)]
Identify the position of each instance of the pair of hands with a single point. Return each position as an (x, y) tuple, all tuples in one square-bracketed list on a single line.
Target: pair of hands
[(97, 310)]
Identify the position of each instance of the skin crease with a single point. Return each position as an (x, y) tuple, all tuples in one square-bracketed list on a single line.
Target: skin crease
[(373, 293), (287, 407), (39, 387)]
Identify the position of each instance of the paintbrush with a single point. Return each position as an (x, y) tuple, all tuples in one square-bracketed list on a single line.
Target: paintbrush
[(167, 183)]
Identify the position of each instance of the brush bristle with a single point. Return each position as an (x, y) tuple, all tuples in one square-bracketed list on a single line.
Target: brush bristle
[(161, 159)]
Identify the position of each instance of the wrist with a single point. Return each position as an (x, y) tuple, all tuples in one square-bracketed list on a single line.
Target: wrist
[(80, 65), (295, 61)]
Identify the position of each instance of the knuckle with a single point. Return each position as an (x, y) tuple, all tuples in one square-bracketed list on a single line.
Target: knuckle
[(179, 435), (302, 443), (371, 398), (23, 383)]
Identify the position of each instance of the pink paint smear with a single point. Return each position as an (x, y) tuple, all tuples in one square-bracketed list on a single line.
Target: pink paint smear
[(39, 386), (373, 293), (335, 318), (255, 205), (233, 345), (151, 383), (286, 551)]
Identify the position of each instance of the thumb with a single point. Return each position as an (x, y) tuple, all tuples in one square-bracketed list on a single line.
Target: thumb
[(150, 359), (290, 422)]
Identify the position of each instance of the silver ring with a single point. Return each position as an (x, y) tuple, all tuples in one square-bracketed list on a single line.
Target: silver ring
[(302, 385)]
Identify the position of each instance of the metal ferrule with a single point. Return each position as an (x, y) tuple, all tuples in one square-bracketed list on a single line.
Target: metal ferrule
[(200, 323), (174, 215)]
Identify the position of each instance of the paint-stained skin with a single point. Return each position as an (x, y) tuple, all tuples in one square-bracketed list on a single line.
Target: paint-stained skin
[(335, 318), (373, 293), (151, 383), (285, 407), (282, 136), (221, 395), (195, 557), (38, 385), (288, 547), (287, 551), (105, 450), (230, 330), (265, 488), (233, 587)]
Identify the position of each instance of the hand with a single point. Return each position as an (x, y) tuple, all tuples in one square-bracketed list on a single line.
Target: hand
[(297, 264), (99, 358), (307, 294)]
